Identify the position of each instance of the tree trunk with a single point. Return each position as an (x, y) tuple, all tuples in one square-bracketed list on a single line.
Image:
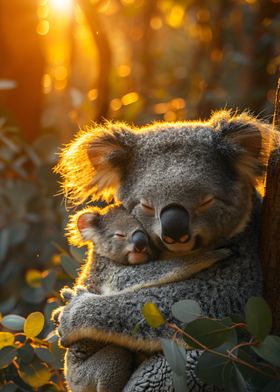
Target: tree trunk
[(102, 43), (22, 60), (270, 244)]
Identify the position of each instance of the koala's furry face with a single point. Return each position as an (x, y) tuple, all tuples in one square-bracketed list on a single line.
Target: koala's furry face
[(115, 234), (190, 184)]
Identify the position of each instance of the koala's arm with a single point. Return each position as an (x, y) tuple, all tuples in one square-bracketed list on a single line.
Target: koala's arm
[(220, 291), (187, 269)]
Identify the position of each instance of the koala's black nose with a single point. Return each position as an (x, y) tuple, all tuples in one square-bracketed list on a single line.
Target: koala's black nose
[(140, 240), (174, 224)]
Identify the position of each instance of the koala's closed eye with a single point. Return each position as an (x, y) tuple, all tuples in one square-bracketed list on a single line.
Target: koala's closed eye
[(147, 207), (205, 203), (120, 236)]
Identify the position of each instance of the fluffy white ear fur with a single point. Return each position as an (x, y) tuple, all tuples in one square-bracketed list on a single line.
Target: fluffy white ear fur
[(93, 164), (253, 136)]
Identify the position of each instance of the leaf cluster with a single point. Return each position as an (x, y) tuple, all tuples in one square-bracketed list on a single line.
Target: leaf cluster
[(237, 351)]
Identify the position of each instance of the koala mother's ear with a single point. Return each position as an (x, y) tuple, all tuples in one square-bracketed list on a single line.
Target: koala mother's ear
[(250, 139), (92, 166)]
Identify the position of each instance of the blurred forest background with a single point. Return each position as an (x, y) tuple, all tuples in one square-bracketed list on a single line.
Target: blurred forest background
[(65, 63)]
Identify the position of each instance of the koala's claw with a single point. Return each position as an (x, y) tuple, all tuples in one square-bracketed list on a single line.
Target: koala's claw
[(56, 314), (67, 294), (81, 290)]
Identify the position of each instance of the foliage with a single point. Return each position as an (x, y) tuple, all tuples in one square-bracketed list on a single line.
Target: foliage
[(34, 264), (236, 351)]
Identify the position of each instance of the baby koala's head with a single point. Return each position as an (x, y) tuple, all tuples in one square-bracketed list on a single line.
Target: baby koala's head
[(115, 234)]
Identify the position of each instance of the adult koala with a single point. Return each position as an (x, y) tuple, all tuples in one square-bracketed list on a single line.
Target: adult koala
[(192, 186)]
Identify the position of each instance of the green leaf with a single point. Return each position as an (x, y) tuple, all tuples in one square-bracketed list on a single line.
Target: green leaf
[(79, 254), (180, 382), (269, 350), (44, 354), (17, 233), (58, 355), (186, 310), (51, 337), (49, 281), (13, 321), (70, 265), (26, 353), (33, 295), (213, 369), (7, 355), (258, 317), (153, 315), (236, 381), (175, 356), (208, 332)]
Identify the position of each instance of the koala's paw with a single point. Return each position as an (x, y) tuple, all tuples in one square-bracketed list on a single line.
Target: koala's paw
[(56, 314), (67, 294), (79, 290)]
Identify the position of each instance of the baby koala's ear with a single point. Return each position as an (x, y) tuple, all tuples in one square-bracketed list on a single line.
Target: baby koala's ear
[(87, 224), (82, 226)]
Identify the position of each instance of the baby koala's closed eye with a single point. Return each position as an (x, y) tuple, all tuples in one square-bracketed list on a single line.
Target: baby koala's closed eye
[(115, 233)]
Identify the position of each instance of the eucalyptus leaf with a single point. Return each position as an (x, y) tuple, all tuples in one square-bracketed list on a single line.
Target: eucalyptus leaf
[(79, 254), (213, 369), (175, 356), (236, 381), (186, 310), (208, 332), (269, 350), (33, 295), (7, 355), (13, 322), (258, 317), (44, 354), (49, 281), (70, 265), (26, 353), (180, 382)]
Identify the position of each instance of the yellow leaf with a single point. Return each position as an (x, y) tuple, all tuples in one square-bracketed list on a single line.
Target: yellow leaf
[(34, 324), (35, 374), (153, 315), (6, 339), (34, 278)]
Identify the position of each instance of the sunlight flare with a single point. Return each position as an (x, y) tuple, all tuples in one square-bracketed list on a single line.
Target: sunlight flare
[(61, 5)]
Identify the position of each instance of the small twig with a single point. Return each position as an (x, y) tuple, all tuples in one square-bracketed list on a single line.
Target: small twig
[(233, 358)]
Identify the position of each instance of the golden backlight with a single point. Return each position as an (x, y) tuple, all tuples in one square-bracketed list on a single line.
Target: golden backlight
[(61, 5)]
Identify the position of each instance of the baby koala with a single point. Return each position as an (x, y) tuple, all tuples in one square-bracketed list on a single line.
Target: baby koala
[(115, 234), (119, 249)]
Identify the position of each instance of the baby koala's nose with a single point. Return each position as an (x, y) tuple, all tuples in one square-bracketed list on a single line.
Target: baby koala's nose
[(140, 241)]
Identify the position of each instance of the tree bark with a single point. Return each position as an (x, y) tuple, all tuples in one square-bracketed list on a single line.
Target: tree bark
[(270, 242)]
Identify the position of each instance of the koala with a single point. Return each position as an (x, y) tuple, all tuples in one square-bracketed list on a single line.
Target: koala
[(118, 240), (192, 185)]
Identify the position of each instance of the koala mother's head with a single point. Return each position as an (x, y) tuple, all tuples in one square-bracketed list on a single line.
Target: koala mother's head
[(189, 183)]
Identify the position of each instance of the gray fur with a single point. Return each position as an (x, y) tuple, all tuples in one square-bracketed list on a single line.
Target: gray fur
[(174, 163)]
